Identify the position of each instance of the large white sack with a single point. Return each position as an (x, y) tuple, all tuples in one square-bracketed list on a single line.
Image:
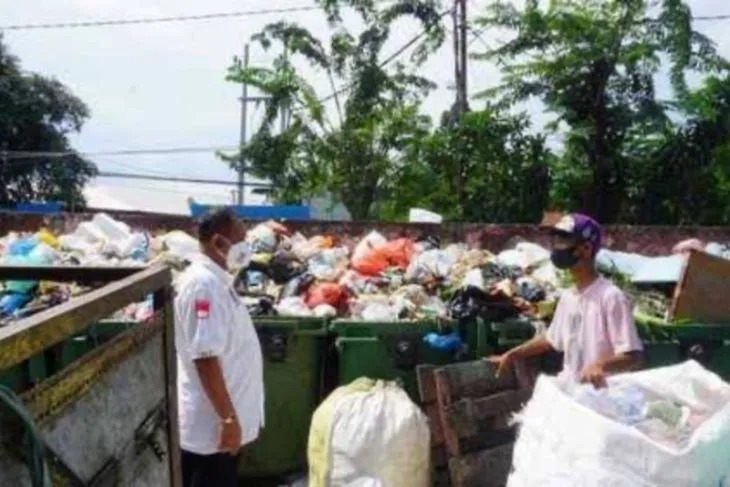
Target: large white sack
[(563, 443), (369, 434)]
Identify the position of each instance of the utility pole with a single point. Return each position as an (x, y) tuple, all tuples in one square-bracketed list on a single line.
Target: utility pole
[(245, 100), (244, 121), (459, 19)]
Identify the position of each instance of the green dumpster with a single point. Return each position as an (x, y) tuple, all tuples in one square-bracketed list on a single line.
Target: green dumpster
[(708, 344), (25, 375), (76, 347), (392, 350), (294, 351)]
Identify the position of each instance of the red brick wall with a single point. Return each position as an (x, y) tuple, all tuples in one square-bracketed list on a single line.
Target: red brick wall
[(647, 240)]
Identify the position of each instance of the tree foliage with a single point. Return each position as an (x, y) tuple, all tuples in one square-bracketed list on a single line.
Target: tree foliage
[(355, 156), (37, 115), (484, 167), (593, 64)]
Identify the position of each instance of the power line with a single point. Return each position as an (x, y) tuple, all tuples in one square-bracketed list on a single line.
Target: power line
[(157, 20), (705, 18), (220, 182), (11, 154)]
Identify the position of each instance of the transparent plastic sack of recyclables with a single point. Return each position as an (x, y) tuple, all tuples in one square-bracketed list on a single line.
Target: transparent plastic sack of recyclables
[(564, 443)]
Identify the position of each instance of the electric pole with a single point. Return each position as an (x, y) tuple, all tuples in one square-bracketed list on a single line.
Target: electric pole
[(244, 121), (459, 19)]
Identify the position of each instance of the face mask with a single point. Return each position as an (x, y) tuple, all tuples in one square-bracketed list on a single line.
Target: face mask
[(564, 258), (238, 255)]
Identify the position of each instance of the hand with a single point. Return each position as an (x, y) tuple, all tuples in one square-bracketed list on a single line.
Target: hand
[(595, 374), (501, 362), (230, 437)]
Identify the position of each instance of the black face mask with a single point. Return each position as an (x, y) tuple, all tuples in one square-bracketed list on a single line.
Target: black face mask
[(564, 258)]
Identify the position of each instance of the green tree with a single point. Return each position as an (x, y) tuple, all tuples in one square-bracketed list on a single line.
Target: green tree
[(593, 63), (356, 156), (687, 179), (37, 114), (484, 166)]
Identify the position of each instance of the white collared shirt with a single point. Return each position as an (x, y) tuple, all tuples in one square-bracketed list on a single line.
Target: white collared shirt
[(211, 321)]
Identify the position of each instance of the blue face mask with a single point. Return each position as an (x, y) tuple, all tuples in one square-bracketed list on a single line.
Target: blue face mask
[(564, 258)]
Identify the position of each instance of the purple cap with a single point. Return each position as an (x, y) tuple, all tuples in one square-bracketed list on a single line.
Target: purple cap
[(581, 227)]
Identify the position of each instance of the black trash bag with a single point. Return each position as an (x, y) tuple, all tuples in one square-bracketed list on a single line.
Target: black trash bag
[(531, 292), (297, 286), (284, 266), (472, 302), (494, 273), (264, 307)]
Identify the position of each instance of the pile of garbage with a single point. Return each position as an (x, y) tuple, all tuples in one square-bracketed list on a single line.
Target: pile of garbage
[(376, 279), (100, 242), (373, 279)]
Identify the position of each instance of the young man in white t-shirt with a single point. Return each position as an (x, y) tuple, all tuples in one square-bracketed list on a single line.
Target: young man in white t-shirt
[(593, 324), (220, 367)]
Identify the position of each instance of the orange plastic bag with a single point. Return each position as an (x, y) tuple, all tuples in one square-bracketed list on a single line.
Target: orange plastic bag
[(326, 293), (396, 253)]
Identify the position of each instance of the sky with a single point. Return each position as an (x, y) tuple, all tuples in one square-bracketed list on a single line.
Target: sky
[(162, 85)]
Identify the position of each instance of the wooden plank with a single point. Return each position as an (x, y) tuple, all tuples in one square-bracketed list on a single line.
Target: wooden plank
[(477, 379), (426, 383), (471, 417), (21, 340), (163, 300), (701, 294), (66, 273), (443, 397), (487, 468)]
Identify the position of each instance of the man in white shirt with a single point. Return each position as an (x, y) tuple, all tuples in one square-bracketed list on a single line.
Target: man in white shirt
[(220, 368)]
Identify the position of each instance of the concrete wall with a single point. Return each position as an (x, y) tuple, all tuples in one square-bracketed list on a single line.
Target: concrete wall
[(652, 240)]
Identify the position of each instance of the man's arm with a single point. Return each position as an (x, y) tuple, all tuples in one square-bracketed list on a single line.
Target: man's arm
[(203, 321), (211, 378), (627, 347), (538, 345)]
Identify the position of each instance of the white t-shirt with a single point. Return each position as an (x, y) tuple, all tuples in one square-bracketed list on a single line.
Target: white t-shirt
[(211, 321), (592, 325)]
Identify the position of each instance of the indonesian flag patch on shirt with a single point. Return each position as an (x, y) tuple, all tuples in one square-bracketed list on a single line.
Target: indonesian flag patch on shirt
[(202, 308)]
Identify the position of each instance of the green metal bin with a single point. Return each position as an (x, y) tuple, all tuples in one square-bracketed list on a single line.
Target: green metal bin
[(25, 375), (294, 351), (392, 350), (78, 346)]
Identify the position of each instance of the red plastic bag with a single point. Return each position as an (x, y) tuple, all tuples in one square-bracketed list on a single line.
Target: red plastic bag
[(326, 293), (396, 253)]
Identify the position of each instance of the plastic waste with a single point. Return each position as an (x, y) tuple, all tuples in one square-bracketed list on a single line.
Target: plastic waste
[(261, 307), (47, 237), (21, 246), (329, 264), (326, 293), (445, 343), (374, 260), (297, 285), (262, 238), (324, 311), (371, 241), (293, 306), (378, 312), (688, 245), (284, 266), (12, 302)]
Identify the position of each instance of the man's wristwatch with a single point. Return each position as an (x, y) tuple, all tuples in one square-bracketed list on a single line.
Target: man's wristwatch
[(230, 419)]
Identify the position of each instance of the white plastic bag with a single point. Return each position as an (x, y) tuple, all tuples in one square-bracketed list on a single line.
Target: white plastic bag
[(293, 306), (565, 443), (262, 239), (369, 434)]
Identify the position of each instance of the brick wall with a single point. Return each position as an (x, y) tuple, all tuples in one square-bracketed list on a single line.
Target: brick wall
[(651, 240)]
